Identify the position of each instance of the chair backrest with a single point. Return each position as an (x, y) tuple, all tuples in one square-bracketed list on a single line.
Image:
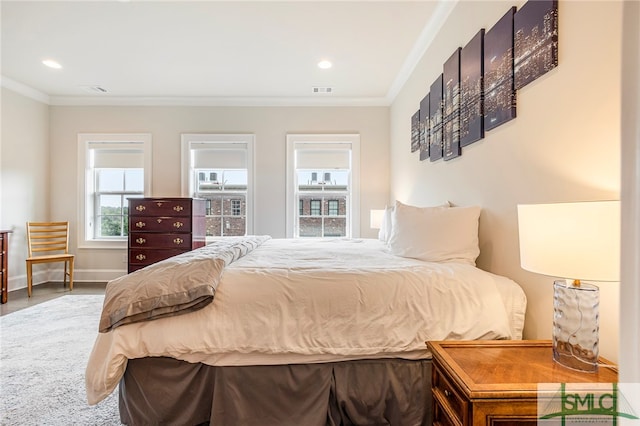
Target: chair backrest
[(45, 238)]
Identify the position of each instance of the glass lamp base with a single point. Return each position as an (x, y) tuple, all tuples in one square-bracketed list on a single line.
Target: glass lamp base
[(575, 325)]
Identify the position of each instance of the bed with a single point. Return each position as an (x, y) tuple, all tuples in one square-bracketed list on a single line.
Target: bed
[(262, 331)]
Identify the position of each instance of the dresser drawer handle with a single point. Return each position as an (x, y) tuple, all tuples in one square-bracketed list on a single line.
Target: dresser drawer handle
[(140, 240), (178, 241), (178, 224), (141, 257), (178, 208), (447, 393), (140, 208), (140, 224)]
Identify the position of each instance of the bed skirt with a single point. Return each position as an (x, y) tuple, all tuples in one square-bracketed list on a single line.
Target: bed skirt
[(166, 391)]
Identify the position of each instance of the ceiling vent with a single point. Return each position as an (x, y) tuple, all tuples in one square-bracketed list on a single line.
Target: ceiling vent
[(94, 89), (322, 90)]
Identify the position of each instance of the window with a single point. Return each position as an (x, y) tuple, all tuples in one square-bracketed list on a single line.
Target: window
[(113, 168), (315, 207), (236, 207), (219, 168), (323, 182), (332, 207), (113, 187)]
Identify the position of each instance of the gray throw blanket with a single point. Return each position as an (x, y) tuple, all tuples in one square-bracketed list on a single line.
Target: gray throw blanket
[(174, 286)]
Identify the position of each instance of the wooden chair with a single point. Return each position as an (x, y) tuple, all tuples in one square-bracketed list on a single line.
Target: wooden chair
[(48, 242)]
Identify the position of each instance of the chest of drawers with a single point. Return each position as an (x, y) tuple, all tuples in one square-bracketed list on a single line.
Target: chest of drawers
[(163, 227), (4, 269)]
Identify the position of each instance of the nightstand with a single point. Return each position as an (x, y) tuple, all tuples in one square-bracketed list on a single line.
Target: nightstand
[(496, 382)]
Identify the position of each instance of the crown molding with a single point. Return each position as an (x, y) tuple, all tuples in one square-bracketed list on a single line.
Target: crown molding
[(319, 101), (323, 101), (24, 90), (428, 34)]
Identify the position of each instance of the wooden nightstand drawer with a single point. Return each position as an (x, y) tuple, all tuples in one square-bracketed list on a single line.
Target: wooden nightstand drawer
[(441, 418), (448, 400)]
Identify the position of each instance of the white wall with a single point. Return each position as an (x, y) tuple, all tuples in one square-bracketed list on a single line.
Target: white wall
[(25, 182), (270, 126), (630, 291), (564, 145)]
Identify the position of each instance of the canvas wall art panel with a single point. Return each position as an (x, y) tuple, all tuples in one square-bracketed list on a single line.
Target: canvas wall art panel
[(415, 131), (535, 40), (435, 119), (471, 90), (451, 106), (500, 95), (424, 128)]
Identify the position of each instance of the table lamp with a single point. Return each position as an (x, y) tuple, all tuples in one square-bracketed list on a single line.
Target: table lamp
[(574, 241), (375, 218)]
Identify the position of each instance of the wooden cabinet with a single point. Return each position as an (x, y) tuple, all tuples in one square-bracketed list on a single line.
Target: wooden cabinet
[(4, 269), (163, 227), (496, 382)]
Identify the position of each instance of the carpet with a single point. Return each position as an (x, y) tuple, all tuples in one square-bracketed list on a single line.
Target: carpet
[(43, 355)]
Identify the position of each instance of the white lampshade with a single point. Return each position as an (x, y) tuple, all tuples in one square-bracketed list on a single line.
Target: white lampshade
[(375, 218), (571, 240)]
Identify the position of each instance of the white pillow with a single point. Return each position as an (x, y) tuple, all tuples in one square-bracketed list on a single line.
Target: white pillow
[(386, 225), (435, 234)]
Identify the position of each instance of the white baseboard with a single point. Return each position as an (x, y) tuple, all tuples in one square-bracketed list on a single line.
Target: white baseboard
[(79, 276)]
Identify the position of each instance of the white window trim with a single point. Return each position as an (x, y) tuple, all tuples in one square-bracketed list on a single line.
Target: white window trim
[(187, 139), (293, 207), (83, 169)]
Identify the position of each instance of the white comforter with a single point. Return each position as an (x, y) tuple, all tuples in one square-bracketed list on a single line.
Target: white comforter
[(302, 301)]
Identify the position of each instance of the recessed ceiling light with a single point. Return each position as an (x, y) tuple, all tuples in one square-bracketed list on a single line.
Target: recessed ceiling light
[(324, 64), (322, 90), (52, 64)]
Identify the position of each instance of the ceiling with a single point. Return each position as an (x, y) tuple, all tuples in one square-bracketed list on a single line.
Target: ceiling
[(215, 52)]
